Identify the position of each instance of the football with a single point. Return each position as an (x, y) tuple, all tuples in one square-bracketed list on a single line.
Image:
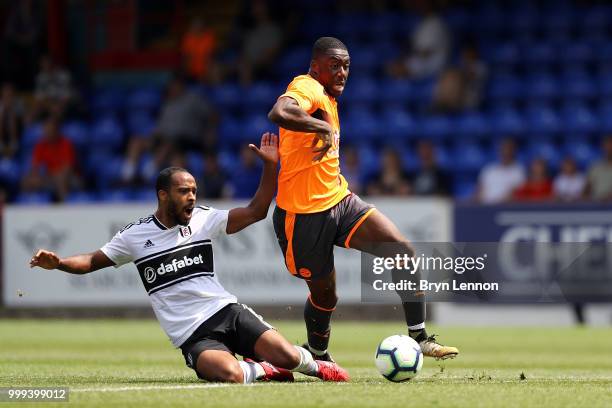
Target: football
[(399, 358)]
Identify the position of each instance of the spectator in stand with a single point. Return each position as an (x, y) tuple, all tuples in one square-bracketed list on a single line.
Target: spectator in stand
[(351, 169), (21, 45), (11, 121), (54, 164), (261, 44), (214, 183), (245, 179), (187, 123), (53, 93), (198, 49), (429, 47), (599, 187), (429, 179), (497, 181), (538, 186), (392, 180), (459, 88), (569, 184)]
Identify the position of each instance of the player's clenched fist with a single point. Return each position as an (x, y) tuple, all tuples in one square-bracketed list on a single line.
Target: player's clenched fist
[(45, 259)]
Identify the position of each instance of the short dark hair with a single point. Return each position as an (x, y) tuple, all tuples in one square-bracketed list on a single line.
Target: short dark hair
[(164, 178), (323, 44)]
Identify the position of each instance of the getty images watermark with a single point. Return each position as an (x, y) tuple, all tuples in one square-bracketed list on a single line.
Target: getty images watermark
[(500, 272)]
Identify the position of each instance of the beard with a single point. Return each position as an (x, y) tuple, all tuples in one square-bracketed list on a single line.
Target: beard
[(175, 211)]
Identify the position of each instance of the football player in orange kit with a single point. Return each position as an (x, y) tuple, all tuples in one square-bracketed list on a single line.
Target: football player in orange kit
[(315, 209)]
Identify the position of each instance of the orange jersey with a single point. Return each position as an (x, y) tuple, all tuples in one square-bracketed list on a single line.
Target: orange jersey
[(305, 186)]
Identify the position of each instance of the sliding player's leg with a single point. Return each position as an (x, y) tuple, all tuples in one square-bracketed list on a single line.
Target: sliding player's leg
[(279, 354), (222, 366), (374, 235)]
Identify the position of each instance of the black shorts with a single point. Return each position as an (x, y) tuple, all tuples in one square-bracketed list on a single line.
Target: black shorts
[(234, 329), (307, 240)]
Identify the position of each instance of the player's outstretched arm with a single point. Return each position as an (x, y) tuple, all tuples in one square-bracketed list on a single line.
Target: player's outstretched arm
[(257, 209), (77, 264)]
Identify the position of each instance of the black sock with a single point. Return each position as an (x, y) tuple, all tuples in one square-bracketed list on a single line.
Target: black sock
[(317, 325), (414, 312)]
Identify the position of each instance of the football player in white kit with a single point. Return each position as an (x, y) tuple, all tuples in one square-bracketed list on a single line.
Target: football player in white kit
[(172, 250)]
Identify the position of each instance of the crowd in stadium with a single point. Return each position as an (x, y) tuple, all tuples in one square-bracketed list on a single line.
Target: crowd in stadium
[(485, 101)]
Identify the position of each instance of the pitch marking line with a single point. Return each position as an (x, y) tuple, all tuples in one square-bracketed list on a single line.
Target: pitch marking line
[(154, 387)]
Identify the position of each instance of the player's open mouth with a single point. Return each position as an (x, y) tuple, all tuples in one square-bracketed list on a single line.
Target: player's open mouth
[(188, 211)]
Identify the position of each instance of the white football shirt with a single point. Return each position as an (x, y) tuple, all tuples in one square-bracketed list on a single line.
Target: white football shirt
[(176, 268)]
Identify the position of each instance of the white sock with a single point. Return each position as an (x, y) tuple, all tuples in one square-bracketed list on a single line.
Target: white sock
[(307, 364), (251, 371), (316, 352), (419, 326)]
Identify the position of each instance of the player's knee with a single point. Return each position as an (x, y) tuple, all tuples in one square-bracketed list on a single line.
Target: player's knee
[(289, 357), (324, 299), (231, 373)]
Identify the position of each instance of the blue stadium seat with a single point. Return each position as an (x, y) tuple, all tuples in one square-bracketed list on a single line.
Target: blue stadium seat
[(604, 85), (361, 90), (107, 170), (444, 157), (227, 159), (505, 89), (35, 198), (140, 123), (605, 117), (472, 124), (145, 195), (539, 55), (544, 150), (369, 160), (365, 60), (77, 132), (261, 94), (543, 121), (254, 126), (469, 157), (31, 135), (542, 88), (116, 195), (80, 197), (435, 127), (295, 60), (195, 163), (506, 54), (361, 125), (577, 52), (579, 87), (594, 23), (422, 91), (107, 134), (144, 99), (108, 102), (227, 95), (579, 119), (464, 190), (10, 172), (582, 151), (230, 131), (395, 90), (398, 124)]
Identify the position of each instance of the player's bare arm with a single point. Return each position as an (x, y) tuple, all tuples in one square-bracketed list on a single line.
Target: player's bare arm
[(77, 264), (286, 113), (240, 218)]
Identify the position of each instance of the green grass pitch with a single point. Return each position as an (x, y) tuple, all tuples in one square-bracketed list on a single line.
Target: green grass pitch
[(129, 363)]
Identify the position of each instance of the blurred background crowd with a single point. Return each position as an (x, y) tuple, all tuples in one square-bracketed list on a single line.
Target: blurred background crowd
[(492, 101)]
